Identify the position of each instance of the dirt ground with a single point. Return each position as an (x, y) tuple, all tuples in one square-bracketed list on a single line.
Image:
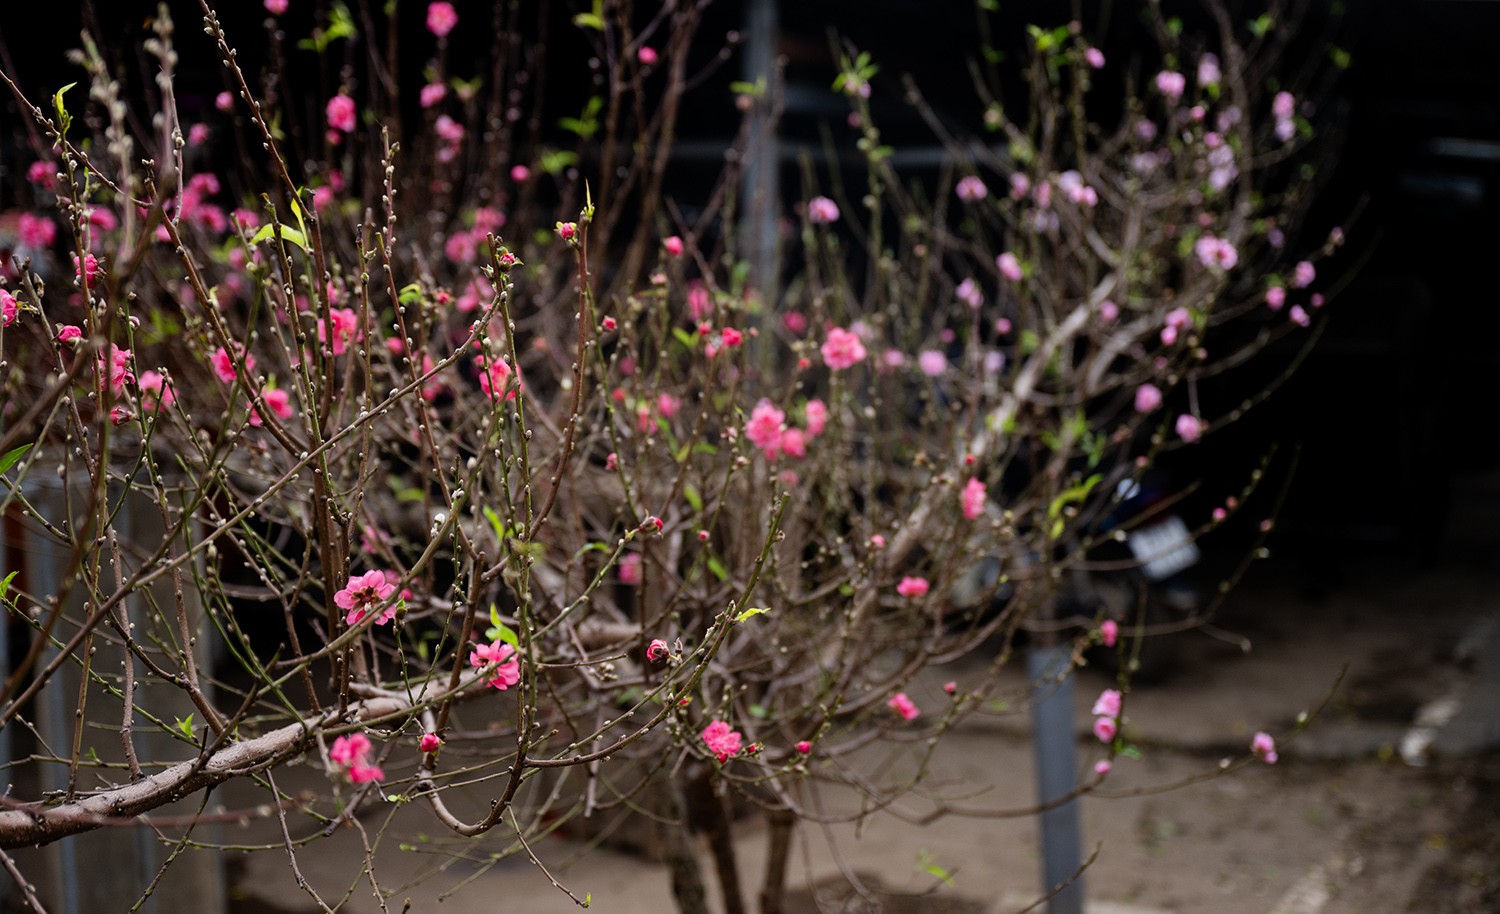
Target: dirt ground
[(1344, 823)]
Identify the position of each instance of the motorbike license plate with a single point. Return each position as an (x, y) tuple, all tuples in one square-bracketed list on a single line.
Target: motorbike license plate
[(1164, 548)]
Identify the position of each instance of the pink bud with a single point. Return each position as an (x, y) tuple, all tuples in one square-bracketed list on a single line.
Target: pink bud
[(656, 650), (430, 742), (804, 747)]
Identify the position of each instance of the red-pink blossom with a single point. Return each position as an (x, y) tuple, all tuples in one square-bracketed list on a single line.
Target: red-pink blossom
[(765, 427), (494, 380), (822, 211), (441, 18), (971, 189), (1105, 729), (647, 55), (842, 349), (430, 742), (224, 367), (345, 331), (10, 309), (657, 650), (1009, 266), (362, 594), (36, 231), (904, 706), (69, 334), (630, 569), (1147, 398), (43, 173), (1108, 703), (276, 7), (672, 244), (156, 390), (507, 667), (912, 587), (794, 443), (804, 746), (974, 496), (1264, 746), (1189, 427), (1171, 84), (1109, 632), (348, 749), (340, 112), (816, 414), (431, 94), (116, 373), (722, 740), (1095, 58)]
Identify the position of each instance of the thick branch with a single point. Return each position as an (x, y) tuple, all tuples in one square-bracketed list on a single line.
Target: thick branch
[(37, 825)]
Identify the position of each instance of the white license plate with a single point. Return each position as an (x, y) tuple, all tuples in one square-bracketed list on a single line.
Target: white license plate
[(1164, 548)]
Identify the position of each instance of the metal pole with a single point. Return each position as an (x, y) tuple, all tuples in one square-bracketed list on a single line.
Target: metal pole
[(1050, 671), (760, 188)]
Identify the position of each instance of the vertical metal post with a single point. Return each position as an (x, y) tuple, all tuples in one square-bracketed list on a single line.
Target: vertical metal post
[(1050, 671), (760, 186)]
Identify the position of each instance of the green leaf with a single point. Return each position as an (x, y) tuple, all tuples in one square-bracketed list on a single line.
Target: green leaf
[(185, 727), (716, 568), (754, 90), (410, 293), (1339, 56), (64, 119), (555, 162), (1261, 25), (687, 339), (752, 611), (499, 631), (5, 584), (1072, 495), (13, 457), (759, 711), (928, 864), (496, 523), (588, 898), (268, 232), (589, 21), (694, 500)]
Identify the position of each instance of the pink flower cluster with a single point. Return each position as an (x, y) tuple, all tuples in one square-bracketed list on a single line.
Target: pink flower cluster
[(362, 594), (971, 189), (722, 740), (1107, 715), (842, 349), (913, 588), (822, 211), (502, 657), (767, 429), (973, 498), (442, 18), (904, 707), (1264, 747), (352, 753), (9, 309)]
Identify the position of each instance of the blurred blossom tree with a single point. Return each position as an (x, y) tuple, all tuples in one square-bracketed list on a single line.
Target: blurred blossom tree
[(461, 473)]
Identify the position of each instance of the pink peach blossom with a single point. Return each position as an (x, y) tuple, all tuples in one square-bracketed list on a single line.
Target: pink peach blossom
[(913, 588), (973, 498), (842, 349), (362, 594), (904, 706), (441, 18), (507, 667)]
